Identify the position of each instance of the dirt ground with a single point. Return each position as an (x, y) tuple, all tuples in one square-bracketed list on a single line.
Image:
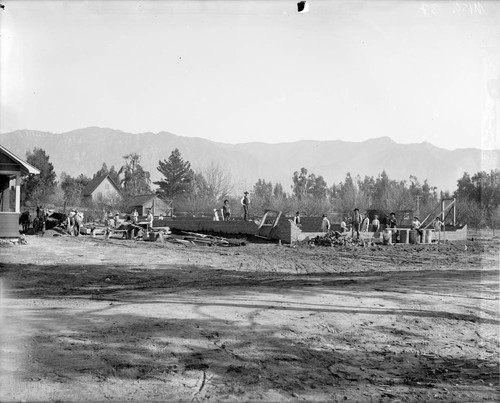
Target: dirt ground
[(89, 319)]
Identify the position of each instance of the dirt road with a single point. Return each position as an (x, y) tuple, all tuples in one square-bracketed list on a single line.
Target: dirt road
[(85, 319)]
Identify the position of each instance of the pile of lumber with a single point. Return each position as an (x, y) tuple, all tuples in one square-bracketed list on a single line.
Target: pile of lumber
[(196, 239)]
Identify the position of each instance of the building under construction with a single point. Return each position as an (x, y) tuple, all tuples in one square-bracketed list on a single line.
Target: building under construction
[(275, 226)]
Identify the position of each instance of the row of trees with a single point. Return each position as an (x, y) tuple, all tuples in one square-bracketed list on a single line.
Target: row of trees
[(44, 188), (312, 196), (478, 199), (478, 196), (179, 182)]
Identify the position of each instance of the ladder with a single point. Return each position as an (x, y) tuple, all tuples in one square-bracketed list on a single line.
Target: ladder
[(264, 224)]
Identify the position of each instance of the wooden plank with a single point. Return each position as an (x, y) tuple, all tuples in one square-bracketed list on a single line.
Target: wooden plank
[(9, 225)]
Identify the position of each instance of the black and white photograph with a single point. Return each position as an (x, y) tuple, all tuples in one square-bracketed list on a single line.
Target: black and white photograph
[(249, 201)]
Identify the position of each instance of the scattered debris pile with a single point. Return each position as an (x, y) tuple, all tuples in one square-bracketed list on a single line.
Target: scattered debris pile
[(193, 239), (333, 238)]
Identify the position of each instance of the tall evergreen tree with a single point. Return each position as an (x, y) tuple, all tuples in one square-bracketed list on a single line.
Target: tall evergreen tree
[(39, 187), (178, 176), (136, 180)]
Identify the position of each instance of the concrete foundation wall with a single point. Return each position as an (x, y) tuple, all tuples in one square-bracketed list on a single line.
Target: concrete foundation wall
[(286, 230), (313, 224), (223, 227), (310, 235), (458, 235)]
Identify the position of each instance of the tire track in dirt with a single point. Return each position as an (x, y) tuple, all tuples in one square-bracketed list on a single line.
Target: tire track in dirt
[(358, 294)]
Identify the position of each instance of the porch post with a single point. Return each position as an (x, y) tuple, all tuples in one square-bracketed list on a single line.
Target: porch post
[(18, 194), (454, 212)]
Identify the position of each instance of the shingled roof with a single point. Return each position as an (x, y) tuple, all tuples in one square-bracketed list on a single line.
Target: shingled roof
[(94, 183), (25, 167)]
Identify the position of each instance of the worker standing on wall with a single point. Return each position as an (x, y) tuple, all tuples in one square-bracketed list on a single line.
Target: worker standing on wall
[(296, 219), (226, 211), (245, 202)]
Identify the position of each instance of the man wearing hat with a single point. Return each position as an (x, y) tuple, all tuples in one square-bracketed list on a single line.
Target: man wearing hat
[(393, 221), (245, 202), (356, 222)]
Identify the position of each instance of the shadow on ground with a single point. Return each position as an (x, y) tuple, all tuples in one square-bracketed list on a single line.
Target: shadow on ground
[(141, 285), (134, 347)]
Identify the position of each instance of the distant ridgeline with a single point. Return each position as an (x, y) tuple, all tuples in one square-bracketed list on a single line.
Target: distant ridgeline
[(85, 150)]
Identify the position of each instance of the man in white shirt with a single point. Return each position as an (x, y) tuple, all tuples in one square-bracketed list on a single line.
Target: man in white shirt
[(375, 224), (365, 223), (135, 216), (296, 219), (149, 220), (415, 224), (325, 224), (245, 202), (343, 226), (438, 226)]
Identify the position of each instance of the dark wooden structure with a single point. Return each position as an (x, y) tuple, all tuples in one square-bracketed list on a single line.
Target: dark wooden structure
[(144, 203), (12, 169)]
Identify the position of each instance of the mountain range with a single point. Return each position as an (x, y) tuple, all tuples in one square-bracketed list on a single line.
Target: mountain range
[(85, 150)]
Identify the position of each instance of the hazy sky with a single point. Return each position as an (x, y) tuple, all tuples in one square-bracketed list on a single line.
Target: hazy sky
[(240, 71)]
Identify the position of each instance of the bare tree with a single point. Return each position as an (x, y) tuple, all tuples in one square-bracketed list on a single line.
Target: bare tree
[(218, 180)]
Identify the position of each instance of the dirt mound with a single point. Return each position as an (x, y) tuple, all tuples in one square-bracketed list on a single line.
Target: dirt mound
[(56, 231)]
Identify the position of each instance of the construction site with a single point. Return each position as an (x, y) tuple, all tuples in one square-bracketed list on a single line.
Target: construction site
[(152, 304), (271, 226), (250, 201), (192, 309)]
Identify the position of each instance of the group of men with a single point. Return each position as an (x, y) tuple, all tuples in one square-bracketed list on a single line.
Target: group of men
[(132, 224), (226, 209), (361, 223)]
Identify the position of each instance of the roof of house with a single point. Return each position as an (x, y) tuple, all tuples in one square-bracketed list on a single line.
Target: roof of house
[(95, 182), (26, 168), (141, 199)]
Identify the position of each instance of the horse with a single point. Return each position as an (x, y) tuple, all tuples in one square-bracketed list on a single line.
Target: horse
[(54, 219), (39, 220), (73, 222), (26, 220)]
